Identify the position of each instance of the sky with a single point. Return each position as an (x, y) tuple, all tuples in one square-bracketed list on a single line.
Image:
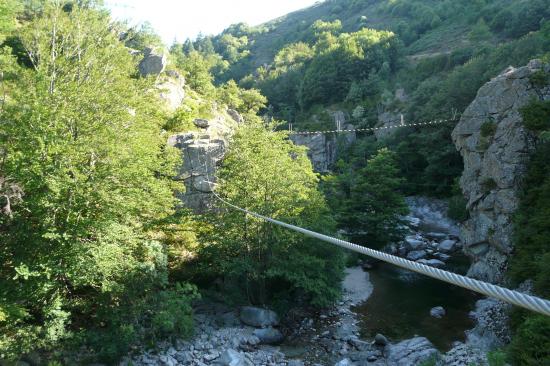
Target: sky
[(181, 19)]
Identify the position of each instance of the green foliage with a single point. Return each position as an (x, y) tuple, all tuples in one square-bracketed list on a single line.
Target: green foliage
[(540, 79), (368, 199), (79, 261), (531, 343), (457, 205), (532, 225), (139, 38), (480, 32), (488, 129), (196, 70), (531, 259), (264, 263), (536, 115), (8, 11), (496, 358)]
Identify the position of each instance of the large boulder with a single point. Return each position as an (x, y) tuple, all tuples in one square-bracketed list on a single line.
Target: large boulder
[(153, 63), (258, 317), (447, 246), (495, 147), (410, 352), (269, 335), (416, 255)]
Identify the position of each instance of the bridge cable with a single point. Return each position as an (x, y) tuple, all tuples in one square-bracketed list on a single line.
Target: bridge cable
[(372, 129)]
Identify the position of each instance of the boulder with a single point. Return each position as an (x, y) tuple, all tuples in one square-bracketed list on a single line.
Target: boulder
[(438, 312), (153, 62), (416, 255), (410, 352), (380, 340), (258, 317), (436, 263), (436, 236), (413, 243), (447, 246), (443, 257), (269, 335), (494, 166), (230, 357), (201, 123)]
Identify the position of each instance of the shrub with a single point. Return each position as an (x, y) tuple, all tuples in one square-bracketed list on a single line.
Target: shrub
[(488, 185), (488, 129), (457, 208), (536, 115), (539, 79), (531, 343), (496, 358)]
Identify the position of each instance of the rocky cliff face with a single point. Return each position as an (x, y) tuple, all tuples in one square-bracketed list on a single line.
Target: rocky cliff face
[(495, 147), (323, 148), (202, 152)]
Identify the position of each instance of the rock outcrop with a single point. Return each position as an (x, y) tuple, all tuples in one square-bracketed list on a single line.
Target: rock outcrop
[(202, 152), (153, 62), (495, 147), (171, 90), (323, 148)]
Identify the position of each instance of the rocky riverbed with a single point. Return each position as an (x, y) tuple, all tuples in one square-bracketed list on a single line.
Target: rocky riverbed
[(253, 336)]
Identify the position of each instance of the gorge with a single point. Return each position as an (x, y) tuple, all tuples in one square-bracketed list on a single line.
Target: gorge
[(419, 128)]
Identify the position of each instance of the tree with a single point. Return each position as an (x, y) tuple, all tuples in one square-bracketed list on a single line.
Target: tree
[(374, 203), (480, 32), (79, 259), (266, 263)]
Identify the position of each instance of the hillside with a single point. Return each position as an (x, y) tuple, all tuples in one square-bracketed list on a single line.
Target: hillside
[(374, 60)]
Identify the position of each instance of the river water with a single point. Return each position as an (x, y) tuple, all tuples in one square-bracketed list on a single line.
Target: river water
[(400, 304)]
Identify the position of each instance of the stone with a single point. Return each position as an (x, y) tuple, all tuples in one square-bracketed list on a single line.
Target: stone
[(464, 355), (494, 167), (380, 340), (410, 352), (344, 362), (416, 255), (153, 62), (269, 335), (322, 148), (437, 312), (436, 236), (447, 246), (171, 90), (201, 123), (230, 357), (258, 317), (413, 243), (442, 257), (201, 153), (492, 329), (235, 115), (295, 363), (436, 263)]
